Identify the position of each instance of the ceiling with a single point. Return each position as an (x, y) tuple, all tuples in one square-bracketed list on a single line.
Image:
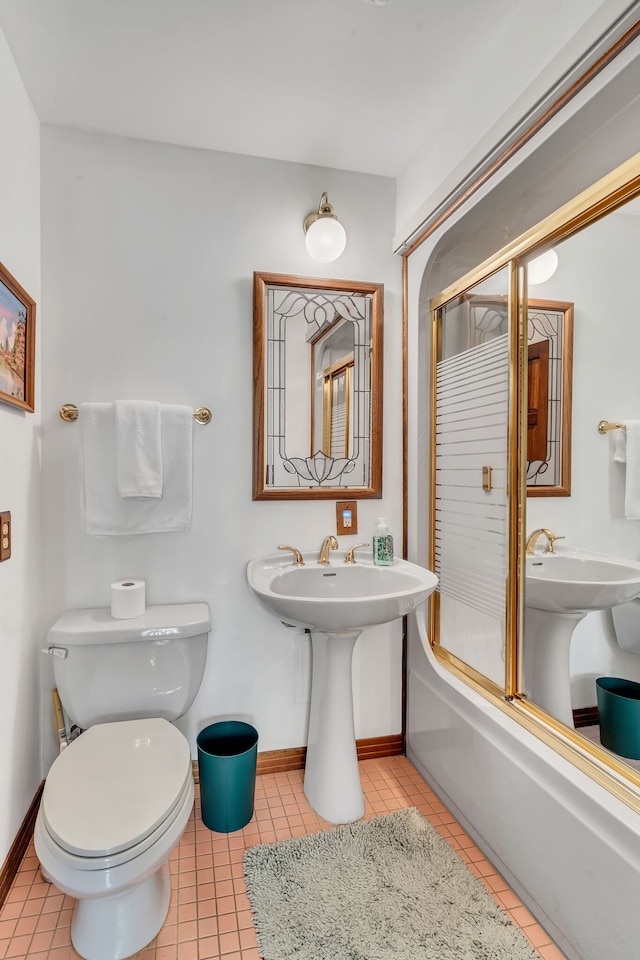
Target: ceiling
[(350, 84)]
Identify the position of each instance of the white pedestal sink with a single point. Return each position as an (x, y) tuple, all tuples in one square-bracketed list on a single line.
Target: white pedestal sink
[(561, 589), (336, 602)]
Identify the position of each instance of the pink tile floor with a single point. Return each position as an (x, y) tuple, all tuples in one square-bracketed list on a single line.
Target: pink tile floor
[(209, 916)]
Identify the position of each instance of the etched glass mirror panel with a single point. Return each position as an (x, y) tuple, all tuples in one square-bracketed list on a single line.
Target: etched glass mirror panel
[(549, 379), (317, 388)]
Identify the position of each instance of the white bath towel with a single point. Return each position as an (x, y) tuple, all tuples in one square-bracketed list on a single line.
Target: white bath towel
[(627, 450), (107, 514), (138, 448)]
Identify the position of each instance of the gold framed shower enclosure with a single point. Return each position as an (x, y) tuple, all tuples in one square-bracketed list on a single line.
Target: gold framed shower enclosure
[(506, 691)]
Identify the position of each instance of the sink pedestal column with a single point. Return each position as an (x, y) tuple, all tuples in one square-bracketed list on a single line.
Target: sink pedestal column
[(332, 779), (547, 674)]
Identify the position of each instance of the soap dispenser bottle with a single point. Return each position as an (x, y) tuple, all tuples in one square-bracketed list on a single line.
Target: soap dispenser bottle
[(382, 544)]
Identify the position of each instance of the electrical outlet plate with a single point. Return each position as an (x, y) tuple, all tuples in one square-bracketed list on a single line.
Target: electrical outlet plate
[(346, 517), (5, 535)]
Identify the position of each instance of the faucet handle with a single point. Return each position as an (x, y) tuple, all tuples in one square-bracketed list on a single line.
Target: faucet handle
[(297, 556), (350, 555), (551, 540)]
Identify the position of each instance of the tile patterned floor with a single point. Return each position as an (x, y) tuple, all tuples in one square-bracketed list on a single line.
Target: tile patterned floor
[(209, 916)]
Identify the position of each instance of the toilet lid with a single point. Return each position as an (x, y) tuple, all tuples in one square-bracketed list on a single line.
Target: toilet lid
[(114, 785)]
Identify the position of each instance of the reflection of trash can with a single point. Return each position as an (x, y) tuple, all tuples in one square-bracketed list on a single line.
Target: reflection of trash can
[(619, 714), (227, 755)]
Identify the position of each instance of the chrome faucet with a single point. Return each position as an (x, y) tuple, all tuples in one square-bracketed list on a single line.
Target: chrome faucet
[(297, 556), (329, 543), (532, 539)]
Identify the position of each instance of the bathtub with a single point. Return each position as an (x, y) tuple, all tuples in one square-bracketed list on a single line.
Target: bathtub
[(567, 847)]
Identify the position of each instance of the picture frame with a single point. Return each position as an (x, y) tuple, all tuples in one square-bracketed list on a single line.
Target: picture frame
[(17, 343)]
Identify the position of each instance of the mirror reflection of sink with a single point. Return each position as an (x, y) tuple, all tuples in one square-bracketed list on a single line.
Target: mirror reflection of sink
[(560, 590), (579, 583), (339, 596), (336, 602)]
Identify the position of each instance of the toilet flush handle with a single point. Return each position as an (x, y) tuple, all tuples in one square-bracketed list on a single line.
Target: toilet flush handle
[(61, 652)]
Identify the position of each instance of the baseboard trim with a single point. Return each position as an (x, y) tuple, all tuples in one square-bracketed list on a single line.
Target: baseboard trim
[(278, 761), (376, 747), (585, 717), (19, 846)]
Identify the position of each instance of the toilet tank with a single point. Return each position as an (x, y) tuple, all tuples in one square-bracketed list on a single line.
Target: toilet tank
[(150, 666)]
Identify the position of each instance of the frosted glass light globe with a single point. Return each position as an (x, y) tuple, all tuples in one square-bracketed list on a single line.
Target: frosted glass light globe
[(326, 239), (542, 268)]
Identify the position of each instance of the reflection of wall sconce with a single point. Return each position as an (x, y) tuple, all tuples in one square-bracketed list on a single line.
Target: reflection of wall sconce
[(326, 238), (542, 268)]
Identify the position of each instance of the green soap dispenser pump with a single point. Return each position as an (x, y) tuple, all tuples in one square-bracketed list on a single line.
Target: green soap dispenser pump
[(382, 544)]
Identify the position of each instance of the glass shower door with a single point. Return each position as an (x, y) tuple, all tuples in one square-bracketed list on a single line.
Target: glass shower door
[(471, 506)]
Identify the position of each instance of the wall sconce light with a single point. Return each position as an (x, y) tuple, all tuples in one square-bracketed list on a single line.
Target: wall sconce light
[(325, 238), (542, 268)]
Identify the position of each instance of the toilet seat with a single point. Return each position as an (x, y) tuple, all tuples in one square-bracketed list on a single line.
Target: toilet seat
[(115, 790), (73, 861)]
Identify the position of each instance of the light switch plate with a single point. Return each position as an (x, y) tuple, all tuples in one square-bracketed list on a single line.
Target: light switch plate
[(346, 517), (5, 535)]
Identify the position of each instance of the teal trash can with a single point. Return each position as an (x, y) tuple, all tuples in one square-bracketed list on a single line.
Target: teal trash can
[(619, 715), (227, 756)]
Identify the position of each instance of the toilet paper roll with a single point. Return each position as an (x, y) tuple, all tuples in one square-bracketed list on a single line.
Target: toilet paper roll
[(127, 599)]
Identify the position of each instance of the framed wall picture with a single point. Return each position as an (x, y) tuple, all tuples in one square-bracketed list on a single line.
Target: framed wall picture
[(17, 343)]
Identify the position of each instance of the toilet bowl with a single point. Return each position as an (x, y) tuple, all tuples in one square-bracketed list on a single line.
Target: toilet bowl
[(114, 807)]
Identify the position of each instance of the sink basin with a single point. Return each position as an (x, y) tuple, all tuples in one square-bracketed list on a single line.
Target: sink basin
[(336, 602), (579, 583), (339, 596), (560, 590)]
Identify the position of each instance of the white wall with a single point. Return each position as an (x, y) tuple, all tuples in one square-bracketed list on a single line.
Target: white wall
[(451, 151), (148, 255), (21, 575)]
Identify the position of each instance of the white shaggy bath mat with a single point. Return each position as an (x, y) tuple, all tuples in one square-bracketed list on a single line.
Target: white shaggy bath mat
[(390, 888)]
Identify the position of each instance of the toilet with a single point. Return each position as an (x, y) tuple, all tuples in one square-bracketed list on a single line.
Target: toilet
[(117, 800), (626, 621)]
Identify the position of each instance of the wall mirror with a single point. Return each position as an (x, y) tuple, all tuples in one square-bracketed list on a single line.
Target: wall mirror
[(549, 379), (317, 401), (596, 270)]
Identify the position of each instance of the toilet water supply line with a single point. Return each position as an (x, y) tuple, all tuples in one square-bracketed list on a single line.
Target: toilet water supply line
[(64, 738), (57, 709)]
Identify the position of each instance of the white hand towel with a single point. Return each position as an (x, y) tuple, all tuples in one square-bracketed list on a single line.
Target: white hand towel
[(620, 446), (107, 514), (138, 449), (632, 460)]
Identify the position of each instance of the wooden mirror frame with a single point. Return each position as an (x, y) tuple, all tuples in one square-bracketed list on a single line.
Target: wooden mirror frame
[(261, 489), (556, 389)]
